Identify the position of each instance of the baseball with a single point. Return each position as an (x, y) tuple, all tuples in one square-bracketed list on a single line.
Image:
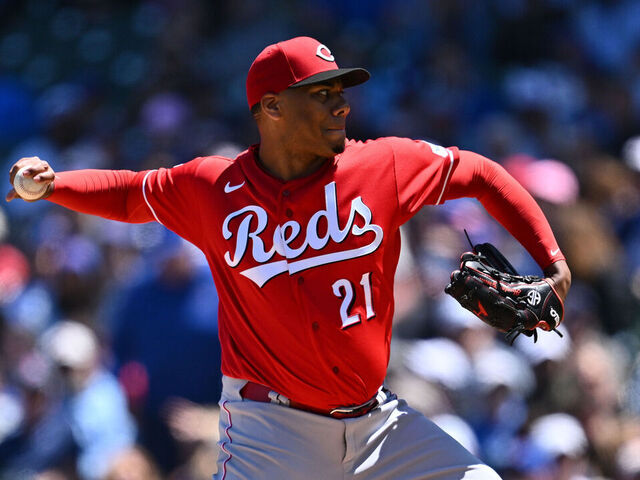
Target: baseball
[(27, 187)]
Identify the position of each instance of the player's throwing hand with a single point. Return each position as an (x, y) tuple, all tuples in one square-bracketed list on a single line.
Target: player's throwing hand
[(36, 173)]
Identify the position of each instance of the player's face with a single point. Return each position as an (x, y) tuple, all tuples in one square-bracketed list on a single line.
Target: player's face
[(315, 117)]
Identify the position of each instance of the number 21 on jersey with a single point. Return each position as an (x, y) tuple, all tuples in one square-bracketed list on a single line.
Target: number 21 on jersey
[(344, 289)]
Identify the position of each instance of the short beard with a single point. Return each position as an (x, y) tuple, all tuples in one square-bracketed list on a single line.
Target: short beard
[(338, 148)]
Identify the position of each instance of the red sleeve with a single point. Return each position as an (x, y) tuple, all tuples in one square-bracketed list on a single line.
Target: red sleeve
[(422, 171), (506, 201), (112, 194), (174, 196), (168, 195)]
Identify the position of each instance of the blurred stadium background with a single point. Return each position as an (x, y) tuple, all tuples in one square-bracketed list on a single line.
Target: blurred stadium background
[(109, 362)]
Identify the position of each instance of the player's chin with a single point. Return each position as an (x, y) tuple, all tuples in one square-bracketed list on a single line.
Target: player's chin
[(338, 148), (337, 141)]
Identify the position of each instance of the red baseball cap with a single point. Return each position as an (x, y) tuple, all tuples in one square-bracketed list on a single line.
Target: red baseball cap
[(294, 63)]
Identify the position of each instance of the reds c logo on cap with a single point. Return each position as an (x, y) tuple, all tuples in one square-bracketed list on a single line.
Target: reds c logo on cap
[(324, 53)]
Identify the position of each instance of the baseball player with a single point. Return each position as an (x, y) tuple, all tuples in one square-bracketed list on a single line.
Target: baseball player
[(301, 232)]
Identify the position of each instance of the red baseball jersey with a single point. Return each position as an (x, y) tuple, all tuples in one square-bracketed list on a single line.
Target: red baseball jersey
[(304, 268)]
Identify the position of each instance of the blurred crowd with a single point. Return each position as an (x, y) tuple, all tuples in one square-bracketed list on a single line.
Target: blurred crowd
[(109, 359)]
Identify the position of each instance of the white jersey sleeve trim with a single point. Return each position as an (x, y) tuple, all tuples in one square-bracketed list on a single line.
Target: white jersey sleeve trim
[(144, 195), (446, 179)]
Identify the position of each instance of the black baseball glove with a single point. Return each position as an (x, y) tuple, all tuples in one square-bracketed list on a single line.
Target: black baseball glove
[(488, 285)]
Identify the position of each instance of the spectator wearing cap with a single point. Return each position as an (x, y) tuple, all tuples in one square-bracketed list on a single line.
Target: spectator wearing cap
[(40, 437), (83, 428), (93, 402), (557, 444)]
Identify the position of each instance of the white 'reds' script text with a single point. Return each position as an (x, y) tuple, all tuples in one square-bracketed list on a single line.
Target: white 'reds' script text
[(286, 233)]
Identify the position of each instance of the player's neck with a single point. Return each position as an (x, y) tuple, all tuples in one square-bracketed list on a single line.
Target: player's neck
[(285, 164)]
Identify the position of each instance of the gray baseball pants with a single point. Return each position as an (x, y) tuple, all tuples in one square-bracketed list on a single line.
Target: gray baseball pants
[(392, 442)]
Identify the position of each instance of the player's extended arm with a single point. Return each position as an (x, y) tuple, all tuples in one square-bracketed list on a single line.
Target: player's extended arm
[(511, 205), (113, 194)]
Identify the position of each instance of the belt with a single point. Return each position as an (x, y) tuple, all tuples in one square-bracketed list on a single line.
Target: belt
[(260, 393)]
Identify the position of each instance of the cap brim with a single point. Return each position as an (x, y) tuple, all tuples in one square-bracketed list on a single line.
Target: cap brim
[(350, 77)]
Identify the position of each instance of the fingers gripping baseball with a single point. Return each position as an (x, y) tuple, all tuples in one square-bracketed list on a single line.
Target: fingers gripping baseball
[(31, 178)]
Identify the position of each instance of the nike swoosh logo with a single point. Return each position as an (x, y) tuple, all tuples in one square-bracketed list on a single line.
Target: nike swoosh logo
[(553, 252), (228, 188)]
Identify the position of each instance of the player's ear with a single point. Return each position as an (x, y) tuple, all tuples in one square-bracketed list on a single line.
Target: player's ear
[(270, 105)]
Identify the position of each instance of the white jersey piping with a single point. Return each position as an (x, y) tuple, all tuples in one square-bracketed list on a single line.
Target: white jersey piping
[(446, 180), (144, 195)]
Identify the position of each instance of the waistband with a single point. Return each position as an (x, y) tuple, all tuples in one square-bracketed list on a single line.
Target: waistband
[(260, 393)]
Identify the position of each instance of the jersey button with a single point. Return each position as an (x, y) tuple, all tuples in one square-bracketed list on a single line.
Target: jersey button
[(335, 370), (288, 212), (285, 193), (315, 326), (300, 280)]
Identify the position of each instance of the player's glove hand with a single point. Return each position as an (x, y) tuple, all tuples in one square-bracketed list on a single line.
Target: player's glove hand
[(487, 285)]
